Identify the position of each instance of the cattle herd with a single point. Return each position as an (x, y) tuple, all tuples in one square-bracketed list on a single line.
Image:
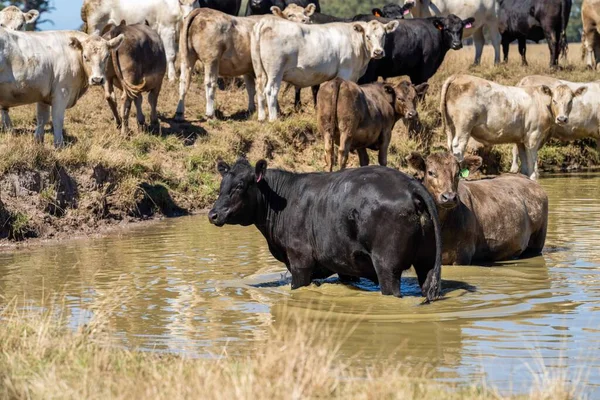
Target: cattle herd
[(371, 222)]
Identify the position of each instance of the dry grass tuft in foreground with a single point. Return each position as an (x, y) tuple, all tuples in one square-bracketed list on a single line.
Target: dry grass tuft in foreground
[(42, 357), (103, 178)]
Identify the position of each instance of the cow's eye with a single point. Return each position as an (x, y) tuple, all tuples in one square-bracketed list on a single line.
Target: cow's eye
[(431, 174), (85, 58), (240, 186)]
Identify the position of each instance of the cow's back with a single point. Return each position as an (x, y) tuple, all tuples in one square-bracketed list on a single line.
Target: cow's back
[(506, 212), (36, 64)]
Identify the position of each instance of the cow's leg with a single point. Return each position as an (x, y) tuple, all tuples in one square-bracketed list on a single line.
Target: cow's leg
[(272, 91), (344, 149), (125, 110), (594, 48), (554, 45), (315, 93), (58, 119), (185, 79), (479, 41), (211, 74), (363, 157), (297, 99), (495, 38), (153, 101), (6, 122), (388, 274), (383, 149), (111, 98), (523, 50), (251, 89), (301, 270), (329, 153), (43, 115), (169, 39), (514, 168), (505, 46), (532, 167), (139, 112)]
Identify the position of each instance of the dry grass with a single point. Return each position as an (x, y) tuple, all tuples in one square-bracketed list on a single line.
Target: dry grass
[(180, 159), (41, 357)]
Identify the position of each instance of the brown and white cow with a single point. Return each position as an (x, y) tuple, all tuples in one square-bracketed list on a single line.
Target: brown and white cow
[(308, 55), (495, 114), (222, 43), (52, 69), (590, 17), (132, 76), (362, 117), (12, 18), (485, 220)]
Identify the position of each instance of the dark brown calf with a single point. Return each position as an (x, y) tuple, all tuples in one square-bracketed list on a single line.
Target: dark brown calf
[(362, 117), (483, 220), (137, 67)]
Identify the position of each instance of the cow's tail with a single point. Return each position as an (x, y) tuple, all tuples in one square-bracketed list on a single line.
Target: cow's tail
[(84, 12), (444, 110), (257, 64), (433, 283), (132, 90), (333, 116), (564, 44)]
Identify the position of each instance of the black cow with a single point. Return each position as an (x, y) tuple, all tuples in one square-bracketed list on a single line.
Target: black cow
[(262, 7), (535, 20), (372, 222), (231, 7), (417, 48)]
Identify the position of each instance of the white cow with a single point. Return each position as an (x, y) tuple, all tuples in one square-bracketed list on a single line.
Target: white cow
[(485, 13), (13, 18), (308, 55), (584, 117), (495, 114), (52, 69), (164, 16)]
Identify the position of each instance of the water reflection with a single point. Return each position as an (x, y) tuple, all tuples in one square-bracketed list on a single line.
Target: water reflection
[(196, 289)]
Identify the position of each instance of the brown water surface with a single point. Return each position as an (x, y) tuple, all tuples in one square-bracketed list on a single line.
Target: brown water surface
[(199, 289)]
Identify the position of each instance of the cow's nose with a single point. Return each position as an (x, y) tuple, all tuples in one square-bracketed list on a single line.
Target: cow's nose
[(562, 119), (97, 80), (213, 216), (456, 45), (411, 114), (448, 197), (377, 53)]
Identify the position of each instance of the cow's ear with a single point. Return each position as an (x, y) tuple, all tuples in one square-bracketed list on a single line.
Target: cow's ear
[(358, 27), (468, 23), (581, 90), (439, 24), (114, 44), (422, 90), (108, 27), (377, 12), (472, 163), (260, 170), (391, 26), (310, 9), (417, 162), (31, 16), (277, 11), (546, 90), (75, 43), (223, 167)]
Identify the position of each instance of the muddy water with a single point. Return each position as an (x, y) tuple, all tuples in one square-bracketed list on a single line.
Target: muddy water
[(196, 289)]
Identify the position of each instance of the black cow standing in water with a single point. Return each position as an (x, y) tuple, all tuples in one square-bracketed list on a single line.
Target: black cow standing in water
[(372, 222), (535, 20)]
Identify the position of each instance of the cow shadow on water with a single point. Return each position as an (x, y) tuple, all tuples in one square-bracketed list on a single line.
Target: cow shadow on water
[(409, 285)]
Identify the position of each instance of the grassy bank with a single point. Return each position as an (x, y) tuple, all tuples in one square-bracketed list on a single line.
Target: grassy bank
[(41, 357), (101, 178)]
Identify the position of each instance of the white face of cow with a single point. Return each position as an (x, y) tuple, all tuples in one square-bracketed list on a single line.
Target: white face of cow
[(295, 13), (14, 19), (186, 6), (562, 101), (95, 52), (374, 36)]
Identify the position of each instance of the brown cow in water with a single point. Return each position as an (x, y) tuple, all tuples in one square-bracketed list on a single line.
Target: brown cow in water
[(362, 117), (137, 67), (483, 220)]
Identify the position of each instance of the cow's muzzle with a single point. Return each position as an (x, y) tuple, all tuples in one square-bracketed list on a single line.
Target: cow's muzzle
[(216, 218), (378, 54), (412, 114), (95, 81), (456, 45), (561, 120), (448, 199)]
